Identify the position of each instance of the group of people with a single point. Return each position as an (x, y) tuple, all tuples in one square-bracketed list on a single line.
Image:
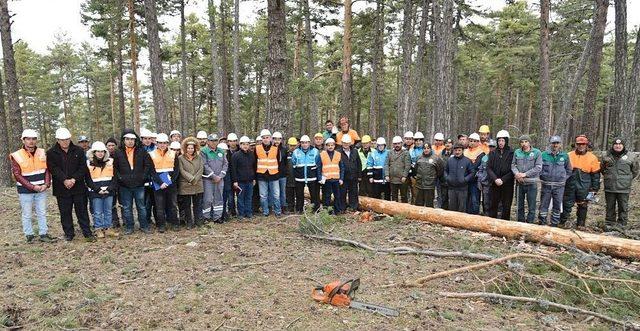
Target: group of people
[(210, 178)]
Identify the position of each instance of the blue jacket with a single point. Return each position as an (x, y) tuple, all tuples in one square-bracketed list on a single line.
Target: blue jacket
[(306, 164), (555, 168), (375, 164), (458, 172), (415, 154)]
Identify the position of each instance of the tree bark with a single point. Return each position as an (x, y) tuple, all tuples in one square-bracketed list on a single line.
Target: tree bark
[(620, 63), (256, 101), (544, 116), (405, 119), (5, 165), (134, 66), (185, 123), (591, 93), (416, 87), (277, 66), (628, 113), (347, 84), (236, 57), (217, 74), (11, 78), (224, 67), (444, 18), (157, 81), (315, 113), (122, 118), (375, 103)]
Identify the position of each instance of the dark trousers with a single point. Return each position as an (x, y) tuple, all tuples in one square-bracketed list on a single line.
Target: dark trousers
[(349, 189), (443, 197), (114, 212), (527, 193), (228, 198), (424, 197), (365, 189), (192, 207), (166, 206), (403, 189), (621, 200), (501, 194), (332, 187), (66, 205), (245, 198), (314, 193), (473, 199), (381, 190), (486, 199), (573, 196), (149, 203), (291, 197), (127, 197), (458, 199)]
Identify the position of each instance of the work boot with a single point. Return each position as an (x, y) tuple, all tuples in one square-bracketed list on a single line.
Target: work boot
[(111, 232), (90, 239), (128, 231), (162, 228), (46, 238), (100, 233), (30, 238), (190, 225), (146, 230), (581, 216), (68, 237)]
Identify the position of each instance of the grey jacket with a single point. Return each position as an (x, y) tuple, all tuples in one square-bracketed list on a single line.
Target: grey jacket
[(619, 171), (397, 166), (529, 163), (217, 164)]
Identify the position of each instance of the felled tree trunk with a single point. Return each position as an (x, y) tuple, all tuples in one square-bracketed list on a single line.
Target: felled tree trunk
[(619, 247)]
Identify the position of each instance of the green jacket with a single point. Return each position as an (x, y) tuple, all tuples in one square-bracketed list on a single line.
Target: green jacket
[(397, 166), (619, 171), (427, 170)]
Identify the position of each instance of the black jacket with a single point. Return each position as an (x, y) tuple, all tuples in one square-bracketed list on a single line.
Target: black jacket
[(63, 166), (243, 167), (499, 165), (458, 172), (281, 157), (142, 164), (352, 164)]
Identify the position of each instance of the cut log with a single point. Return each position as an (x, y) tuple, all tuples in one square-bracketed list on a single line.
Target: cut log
[(618, 247)]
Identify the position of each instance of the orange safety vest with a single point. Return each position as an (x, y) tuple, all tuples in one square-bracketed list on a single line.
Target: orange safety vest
[(330, 168), (163, 162), (438, 149), (267, 163), (587, 163), (352, 133), (485, 147), (32, 167), (101, 176), (472, 154)]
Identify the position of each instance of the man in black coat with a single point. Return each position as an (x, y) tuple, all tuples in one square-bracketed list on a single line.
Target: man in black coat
[(352, 173), (501, 177), (68, 166), (458, 172)]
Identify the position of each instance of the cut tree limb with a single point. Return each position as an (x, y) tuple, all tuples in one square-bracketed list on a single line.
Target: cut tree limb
[(618, 247)]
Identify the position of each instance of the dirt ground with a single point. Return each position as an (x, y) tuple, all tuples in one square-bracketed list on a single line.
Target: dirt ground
[(190, 279)]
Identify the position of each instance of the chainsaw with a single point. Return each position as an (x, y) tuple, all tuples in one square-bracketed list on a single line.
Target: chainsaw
[(340, 294)]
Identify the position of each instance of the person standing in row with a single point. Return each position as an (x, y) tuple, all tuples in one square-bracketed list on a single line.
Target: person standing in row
[(556, 168), (29, 168), (396, 169), (332, 170), (230, 194), (165, 177), (215, 169), (101, 182), (458, 173), (269, 159), (376, 167), (619, 168), (306, 161), (474, 153), (583, 183), (190, 187), (291, 178), (442, 188), (428, 168), (483, 177), (365, 188), (132, 164), (352, 171), (148, 144), (282, 170), (501, 177), (526, 167), (112, 146), (68, 165), (243, 175)]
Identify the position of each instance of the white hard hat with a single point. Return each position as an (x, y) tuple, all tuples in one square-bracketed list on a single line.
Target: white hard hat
[(305, 138), (474, 136), (175, 145), (63, 133), (29, 133), (277, 135), (503, 134), (346, 139), (381, 141), (265, 132), (98, 146), (259, 138), (232, 136), (201, 135), (244, 139), (145, 133), (172, 133), (162, 138), (154, 135), (223, 146), (438, 136), (329, 141), (408, 134), (397, 140), (418, 135)]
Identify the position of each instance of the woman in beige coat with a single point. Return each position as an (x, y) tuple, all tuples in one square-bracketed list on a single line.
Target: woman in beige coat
[(190, 189)]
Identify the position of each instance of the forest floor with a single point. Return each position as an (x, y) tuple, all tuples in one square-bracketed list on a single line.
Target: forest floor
[(259, 275)]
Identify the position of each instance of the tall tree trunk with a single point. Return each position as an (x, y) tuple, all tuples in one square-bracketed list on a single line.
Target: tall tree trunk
[(11, 78), (628, 113), (544, 115), (315, 113), (134, 66), (591, 93), (443, 12), (277, 67), (375, 104), (236, 57), (185, 122), (224, 66), (347, 88), (620, 63), (5, 165), (256, 101), (416, 87), (112, 100), (217, 74), (405, 119), (121, 109), (157, 81)]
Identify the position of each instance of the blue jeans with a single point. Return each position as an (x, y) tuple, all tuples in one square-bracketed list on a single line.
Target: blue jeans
[(550, 195), (102, 212), (332, 187), (245, 204), (127, 196), (283, 192), (27, 202), (269, 190), (473, 200), (530, 193)]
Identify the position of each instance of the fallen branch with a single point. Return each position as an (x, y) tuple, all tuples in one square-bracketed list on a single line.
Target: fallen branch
[(241, 265), (541, 303), (291, 323), (403, 250), (126, 281)]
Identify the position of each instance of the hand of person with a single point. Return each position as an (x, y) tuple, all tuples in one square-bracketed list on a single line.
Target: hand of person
[(236, 185), (254, 182), (341, 182), (370, 180), (404, 179), (68, 183), (498, 182), (164, 186), (386, 178), (103, 192)]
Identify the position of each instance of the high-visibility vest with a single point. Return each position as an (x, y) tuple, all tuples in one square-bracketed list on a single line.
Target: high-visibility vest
[(33, 167), (438, 149), (330, 167), (102, 177), (267, 163), (473, 153), (163, 163)]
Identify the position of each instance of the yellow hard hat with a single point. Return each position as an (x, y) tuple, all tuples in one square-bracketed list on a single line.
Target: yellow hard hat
[(366, 139), (318, 135), (292, 141), (484, 129)]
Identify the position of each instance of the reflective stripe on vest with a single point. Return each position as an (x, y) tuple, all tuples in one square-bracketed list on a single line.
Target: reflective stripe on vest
[(330, 167), (267, 163), (163, 163), (32, 167), (101, 176)]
